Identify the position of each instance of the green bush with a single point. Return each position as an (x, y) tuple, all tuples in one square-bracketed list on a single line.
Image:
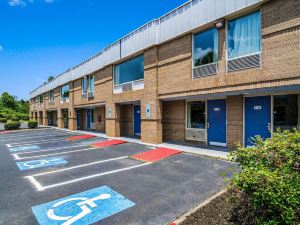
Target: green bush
[(32, 124), (15, 119), (3, 120), (12, 125), (23, 117), (270, 176)]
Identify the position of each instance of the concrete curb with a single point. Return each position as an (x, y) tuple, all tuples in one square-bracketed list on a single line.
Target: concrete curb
[(182, 218)]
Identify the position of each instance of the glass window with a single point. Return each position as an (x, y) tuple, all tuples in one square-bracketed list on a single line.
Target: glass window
[(244, 35), (51, 96), (286, 112), (84, 85), (196, 115), (92, 83), (130, 70), (65, 91), (206, 47), (41, 98), (92, 116)]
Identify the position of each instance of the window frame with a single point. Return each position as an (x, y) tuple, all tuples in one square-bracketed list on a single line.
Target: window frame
[(88, 79), (61, 94), (187, 115), (193, 47), (227, 35), (115, 66), (51, 97)]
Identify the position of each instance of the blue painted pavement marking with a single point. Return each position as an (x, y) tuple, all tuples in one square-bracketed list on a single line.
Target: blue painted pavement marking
[(24, 148), (28, 165), (82, 209)]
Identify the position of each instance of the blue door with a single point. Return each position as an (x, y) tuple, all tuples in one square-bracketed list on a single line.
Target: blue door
[(137, 120), (78, 118), (88, 119), (257, 118), (216, 126)]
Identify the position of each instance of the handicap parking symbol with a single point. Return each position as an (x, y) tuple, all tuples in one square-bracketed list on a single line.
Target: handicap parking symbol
[(82, 209), (24, 148), (29, 165)]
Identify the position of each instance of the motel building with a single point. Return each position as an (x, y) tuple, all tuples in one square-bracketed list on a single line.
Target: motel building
[(208, 73)]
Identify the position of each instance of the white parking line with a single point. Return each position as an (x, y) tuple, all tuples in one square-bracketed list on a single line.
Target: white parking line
[(26, 137), (37, 142), (79, 166), (58, 153), (48, 150), (39, 187)]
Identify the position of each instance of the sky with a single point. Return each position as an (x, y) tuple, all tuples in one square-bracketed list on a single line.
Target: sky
[(42, 38)]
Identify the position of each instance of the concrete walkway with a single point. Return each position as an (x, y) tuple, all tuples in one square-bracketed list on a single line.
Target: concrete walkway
[(189, 149)]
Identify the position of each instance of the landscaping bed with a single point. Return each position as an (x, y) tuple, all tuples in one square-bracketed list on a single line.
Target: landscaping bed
[(223, 211)]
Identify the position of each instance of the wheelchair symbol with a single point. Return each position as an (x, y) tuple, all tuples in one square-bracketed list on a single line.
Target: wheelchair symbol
[(84, 204), (39, 163)]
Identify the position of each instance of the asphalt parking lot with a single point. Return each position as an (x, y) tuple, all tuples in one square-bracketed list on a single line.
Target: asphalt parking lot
[(47, 179)]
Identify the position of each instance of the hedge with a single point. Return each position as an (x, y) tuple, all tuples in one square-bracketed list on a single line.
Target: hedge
[(15, 119), (12, 125), (32, 124), (270, 176), (3, 120)]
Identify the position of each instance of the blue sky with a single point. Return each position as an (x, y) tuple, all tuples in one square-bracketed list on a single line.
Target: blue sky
[(39, 38)]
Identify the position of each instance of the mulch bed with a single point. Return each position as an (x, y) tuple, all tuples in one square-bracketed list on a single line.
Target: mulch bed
[(223, 211)]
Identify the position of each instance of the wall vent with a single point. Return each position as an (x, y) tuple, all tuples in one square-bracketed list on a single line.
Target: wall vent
[(196, 134), (243, 63), (127, 87)]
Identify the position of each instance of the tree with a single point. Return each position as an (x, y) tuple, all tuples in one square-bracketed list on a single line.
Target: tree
[(50, 78), (8, 101)]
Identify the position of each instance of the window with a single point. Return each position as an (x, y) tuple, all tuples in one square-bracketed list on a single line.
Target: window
[(92, 116), (244, 35), (286, 112), (88, 84), (65, 92), (41, 99), (51, 96), (196, 115), (130, 70), (206, 47)]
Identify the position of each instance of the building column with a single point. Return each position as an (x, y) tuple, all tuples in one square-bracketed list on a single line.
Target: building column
[(235, 116), (45, 118), (112, 120), (151, 107), (60, 122), (72, 119)]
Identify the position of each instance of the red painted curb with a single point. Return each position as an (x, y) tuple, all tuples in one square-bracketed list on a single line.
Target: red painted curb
[(108, 143), (156, 154), (80, 137)]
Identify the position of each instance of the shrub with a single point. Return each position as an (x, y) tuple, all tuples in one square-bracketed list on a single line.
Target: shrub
[(12, 125), (24, 117), (270, 176), (15, 119), (3, 120), (32, 124)]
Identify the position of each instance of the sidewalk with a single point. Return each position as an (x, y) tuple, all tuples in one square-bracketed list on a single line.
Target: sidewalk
[(189, 149)]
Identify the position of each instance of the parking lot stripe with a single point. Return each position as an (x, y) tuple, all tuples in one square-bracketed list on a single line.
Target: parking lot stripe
[(37, 142), (35, 183), (79, 166), (58, 153), (91, 176), (51, 149), (26, 137)]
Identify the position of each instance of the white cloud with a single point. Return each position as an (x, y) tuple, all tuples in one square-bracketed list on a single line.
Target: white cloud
[(20, 3)]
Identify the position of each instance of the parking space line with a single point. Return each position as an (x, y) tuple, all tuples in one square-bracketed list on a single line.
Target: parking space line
[(36, 142), (26, 137), (39, 187), (50, 149), (58, 153), (79, 166)]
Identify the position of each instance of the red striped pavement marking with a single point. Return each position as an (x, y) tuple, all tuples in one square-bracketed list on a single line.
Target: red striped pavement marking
[(108, 143), (156, 154), (5, 132), (80, 137)]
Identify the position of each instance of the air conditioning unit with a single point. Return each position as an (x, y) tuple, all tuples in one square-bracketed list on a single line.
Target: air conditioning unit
[(127, 87), (196, 134), (84, 95), (91, 94)]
